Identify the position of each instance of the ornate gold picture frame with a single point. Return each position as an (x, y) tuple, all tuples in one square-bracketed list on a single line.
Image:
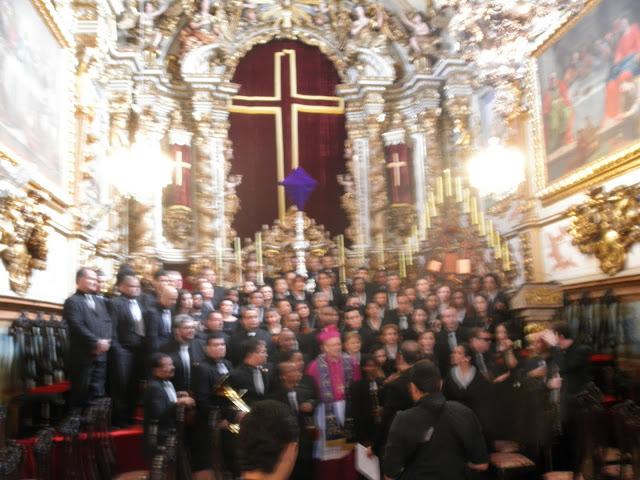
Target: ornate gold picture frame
[(584, 84), (37, 93)]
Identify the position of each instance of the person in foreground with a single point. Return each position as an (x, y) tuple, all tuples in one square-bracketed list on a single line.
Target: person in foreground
[(267, 444), (436, 439)]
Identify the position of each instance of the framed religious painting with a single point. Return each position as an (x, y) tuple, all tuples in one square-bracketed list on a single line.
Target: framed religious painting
[(586, 82), (37, 93)]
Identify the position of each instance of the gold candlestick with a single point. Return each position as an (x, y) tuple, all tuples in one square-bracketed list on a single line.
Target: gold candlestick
[(481, 230), (431, 201), (401, 265), (506, 260), (219, 255), (414, 239), (490, 228), (497, 245), (439, 191), (380, 250), (409, 252), (459, 197), (258, 244), (467, 200), (238, 252), (448, 191), (341, 249), (474, 211)]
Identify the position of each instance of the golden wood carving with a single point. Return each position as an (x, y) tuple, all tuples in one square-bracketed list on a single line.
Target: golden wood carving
[(278, 242), (543, 296), (527, 257), (607, 225), (23, 239), (204, 195), (141, 227), (177, 225)]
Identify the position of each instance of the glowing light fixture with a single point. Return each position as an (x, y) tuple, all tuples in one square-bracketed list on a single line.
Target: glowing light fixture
[(496, 171)]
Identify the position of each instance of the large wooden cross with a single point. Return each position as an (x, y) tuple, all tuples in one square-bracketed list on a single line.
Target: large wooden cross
[(285, 104)]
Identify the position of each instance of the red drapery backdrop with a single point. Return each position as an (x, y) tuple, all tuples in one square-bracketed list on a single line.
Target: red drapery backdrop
[(399, 174), (263, 133)]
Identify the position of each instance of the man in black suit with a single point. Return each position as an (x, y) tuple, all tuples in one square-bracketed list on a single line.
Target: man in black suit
[(218, 291), (185, 351), (252, 375), (206, 376), (213, 323), (353, 322), (157, 320), (129, 355), (451, 335), (403, 312), (250, 328), (160, 401), (160, 281), (396, 394), (91, 336), (302, 402)]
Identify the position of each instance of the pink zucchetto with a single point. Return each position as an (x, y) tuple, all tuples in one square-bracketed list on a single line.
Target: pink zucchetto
[(328, 333)]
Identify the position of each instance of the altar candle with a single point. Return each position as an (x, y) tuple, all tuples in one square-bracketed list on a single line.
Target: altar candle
[(401, 264), (447, 183), (506, 260), (414, 239), (490, 228), (474, 211), (481, 230), (439, 191), (238, 252), (466, 208), (409, 252), (497, 245), (219, 255), (341, 249), (259, 248), (380, 251), (458, 189), (431, 201)]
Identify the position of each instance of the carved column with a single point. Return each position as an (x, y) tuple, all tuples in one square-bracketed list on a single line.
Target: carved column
[(205, 206), (120, 87), (457, 93), (358, 165), (373, 108)]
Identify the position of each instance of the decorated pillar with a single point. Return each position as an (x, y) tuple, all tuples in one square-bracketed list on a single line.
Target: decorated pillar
[(456, 102), (357, 197), (373, 109)]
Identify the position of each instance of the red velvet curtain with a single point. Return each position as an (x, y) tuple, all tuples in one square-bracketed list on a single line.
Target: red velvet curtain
[(179, 191), (399, 182), (254, 134)]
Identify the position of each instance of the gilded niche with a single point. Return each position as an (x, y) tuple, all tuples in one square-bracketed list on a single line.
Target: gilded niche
[(23, 239), (606, 225)]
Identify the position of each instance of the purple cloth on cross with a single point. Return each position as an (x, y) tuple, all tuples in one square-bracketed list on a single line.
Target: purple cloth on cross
[(299, 185)]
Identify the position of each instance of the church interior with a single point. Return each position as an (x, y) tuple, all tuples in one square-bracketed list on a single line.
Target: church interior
[(267, 156)]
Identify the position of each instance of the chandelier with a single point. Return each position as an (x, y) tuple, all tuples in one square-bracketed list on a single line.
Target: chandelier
[(484, 167)]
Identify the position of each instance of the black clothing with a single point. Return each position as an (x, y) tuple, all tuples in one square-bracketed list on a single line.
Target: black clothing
[(87, 325), (182, 379), (395, 398), (242, 379), (443, 350), (456, 439), (476, 396), (206, 376), (303, 468), (364, 401), (128, 359), (158, 408), (158, 333), (234, 353)]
